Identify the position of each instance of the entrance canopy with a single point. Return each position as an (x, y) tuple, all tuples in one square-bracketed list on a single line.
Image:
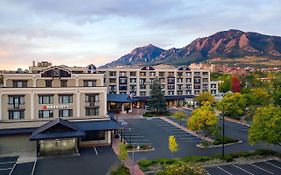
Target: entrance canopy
[(57, 129), (120, 98)]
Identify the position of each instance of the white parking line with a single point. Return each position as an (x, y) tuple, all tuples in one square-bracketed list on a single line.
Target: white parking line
[(261, 168), (224, 170), (273, 165), (4, 169), (96, 150), (242, 169), (7, 162)]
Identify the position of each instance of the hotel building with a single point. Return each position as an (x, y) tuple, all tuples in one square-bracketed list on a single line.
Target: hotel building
[(179, 85), (54, 109)]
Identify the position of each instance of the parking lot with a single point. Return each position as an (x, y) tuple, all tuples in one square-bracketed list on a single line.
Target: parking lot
[(7, 165), (133, 137), (175, 131), (269, 167)]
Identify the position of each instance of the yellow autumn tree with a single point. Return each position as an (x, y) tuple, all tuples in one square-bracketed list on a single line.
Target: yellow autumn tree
[(173, 146), (202, 118)]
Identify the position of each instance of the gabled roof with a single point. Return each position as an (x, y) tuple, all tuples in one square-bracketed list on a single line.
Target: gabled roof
[(41, 132)]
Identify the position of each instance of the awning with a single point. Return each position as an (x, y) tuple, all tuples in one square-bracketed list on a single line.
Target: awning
[(57, 129), (119, 98), (171, 97), (101, 125)]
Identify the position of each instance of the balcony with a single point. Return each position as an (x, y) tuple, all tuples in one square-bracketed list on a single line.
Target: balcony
[(92, 104)]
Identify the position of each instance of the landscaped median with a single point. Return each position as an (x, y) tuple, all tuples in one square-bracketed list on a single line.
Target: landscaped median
[(140, 148), (194, 164)]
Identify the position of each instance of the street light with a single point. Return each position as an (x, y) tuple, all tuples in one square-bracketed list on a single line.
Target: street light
[(222, 135)]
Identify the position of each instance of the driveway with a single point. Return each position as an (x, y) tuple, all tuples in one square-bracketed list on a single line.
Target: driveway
[(88, 163)]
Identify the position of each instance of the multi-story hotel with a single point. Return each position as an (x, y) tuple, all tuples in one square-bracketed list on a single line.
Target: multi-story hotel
[(178, 84), (60, 108), (53, 109)]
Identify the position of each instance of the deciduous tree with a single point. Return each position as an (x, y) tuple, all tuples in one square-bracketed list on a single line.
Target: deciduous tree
[(266, 126), (235, 84), (232, 105), (202, 118), (205, 97), (123, 154), (173, 146), (180, 115)]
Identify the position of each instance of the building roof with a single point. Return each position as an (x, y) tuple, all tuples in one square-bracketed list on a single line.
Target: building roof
[(49, 130), (98, 125), (171, 97), (75, 129), (120, 98)]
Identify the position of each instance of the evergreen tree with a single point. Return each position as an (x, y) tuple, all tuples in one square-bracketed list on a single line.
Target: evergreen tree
[(156, 101)]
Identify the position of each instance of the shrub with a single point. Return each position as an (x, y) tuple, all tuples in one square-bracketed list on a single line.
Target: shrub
[(219, 140), (121, 170), (182, 169), (180, 115), (195, 158), (205, 143), (145, 163)]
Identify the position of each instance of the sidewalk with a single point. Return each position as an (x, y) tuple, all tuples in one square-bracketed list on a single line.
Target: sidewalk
[(134, 168)]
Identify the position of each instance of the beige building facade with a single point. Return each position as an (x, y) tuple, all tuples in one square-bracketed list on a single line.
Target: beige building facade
[(69, 103)]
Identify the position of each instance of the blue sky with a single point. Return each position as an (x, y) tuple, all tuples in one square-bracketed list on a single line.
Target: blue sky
[(98, 31)]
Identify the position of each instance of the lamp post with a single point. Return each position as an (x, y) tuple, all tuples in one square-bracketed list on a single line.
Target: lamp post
[(222, 135), (130, 129)]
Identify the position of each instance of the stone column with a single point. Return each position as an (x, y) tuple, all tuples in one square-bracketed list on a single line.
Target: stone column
[(108, 136), (123, 108), (78, 94), (32, 106)]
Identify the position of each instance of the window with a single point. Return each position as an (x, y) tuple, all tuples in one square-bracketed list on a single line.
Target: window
[(196, 92), (19, 83), (142, 93), (205, 87), (197, 86), (179, 80), (65, 113), (213, 91), (66, 98), (188, 86), (142, 73), (92, 99), (46, 113), (133, 80), (112, 73), (205, 73), (142, 86), (142, 80), (112, 80), (46, 99), (63, 83), (152, 74), (92, 111), (171, 80), (171, 74), (133, 74), (90, 83), (16, 114), (188, 80), (188, 92), (188, 74), (123, 87), (162, 80), (123, 80), (197, 80), (94, 135), (170, 92), (171, 86), (180, 92), (213, 86), (161, 74), (179, 87), (196, 73), (122, 74), (48, 83), (179, 74), (16, 100), (151, 80), (205, 80)]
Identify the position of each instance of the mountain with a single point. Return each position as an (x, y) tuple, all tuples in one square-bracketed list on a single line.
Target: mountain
[(225, 45), (138, 56)]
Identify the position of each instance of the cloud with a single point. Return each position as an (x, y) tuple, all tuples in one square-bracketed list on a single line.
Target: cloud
[(95, 31)]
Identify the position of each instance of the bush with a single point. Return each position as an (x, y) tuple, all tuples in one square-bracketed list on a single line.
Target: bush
[(145, 147), (227, 158), (182, 169), (205, 143), (195, 159), (122, 170), (154, 114), (145, 163), (180, 115), (219, 140)]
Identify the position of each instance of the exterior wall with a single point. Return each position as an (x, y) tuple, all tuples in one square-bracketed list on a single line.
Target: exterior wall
[(106, 141), (15, 144), (178, 87)]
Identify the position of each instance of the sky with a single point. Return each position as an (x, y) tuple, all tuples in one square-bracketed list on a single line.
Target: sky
[(83, 32)]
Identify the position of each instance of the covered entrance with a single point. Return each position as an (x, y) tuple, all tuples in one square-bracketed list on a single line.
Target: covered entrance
[(57, 137), (119, 103)]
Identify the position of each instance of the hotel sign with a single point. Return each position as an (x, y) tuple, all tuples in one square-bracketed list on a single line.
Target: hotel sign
[(55, 107)]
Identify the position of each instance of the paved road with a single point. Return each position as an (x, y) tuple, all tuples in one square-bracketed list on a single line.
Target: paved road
[(88, 163)]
